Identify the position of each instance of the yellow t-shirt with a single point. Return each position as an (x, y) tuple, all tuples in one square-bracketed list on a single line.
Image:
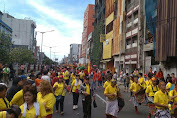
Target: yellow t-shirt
[(161, 98), (173, 93), (135, 87), (31, 112), (17, 99), (111, 90), (168, 86), (107, 83), (75, 87), (82, 75), (88, 89), (3, 114), (73, 77), (49, 101), (142, 82), (3, 105), (151, 90), (66, 75), (148, 82), (60, 89)]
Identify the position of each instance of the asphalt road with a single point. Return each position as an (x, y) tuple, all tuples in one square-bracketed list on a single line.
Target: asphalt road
[(99, 112)]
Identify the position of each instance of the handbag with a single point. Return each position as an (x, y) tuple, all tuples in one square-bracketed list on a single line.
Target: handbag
[(121, 102), (59, 98), (94, 104)]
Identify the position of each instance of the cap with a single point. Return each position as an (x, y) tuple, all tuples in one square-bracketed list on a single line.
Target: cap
[(23, 77), (61, 77), (153, 79), (16, 110)]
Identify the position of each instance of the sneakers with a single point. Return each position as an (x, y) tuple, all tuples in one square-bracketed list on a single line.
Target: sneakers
[(62, 113), (75, 107)]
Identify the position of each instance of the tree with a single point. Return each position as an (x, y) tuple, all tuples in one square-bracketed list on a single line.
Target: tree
[(47, 61), (21, 56), (5, 45)]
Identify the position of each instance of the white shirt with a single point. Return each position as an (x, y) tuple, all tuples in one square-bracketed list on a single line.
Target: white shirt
[(46, 77)]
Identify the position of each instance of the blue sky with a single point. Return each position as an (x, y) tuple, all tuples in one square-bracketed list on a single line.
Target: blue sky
[(63, 16)]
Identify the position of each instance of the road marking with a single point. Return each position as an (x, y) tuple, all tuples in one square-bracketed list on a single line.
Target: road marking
[(101, 98)]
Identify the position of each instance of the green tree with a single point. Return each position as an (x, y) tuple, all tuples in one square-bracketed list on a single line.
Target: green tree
[(47, 61), (21, 56), (5, 45)]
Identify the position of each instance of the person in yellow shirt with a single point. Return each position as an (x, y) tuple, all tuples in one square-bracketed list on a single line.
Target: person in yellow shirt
[(32, 108), (173, 95), (12, 112), (66, 76), (135, 88), (148, 81), (4, 103), (168, 86), (60, 93), (87, 91), (161, 100), (75, 90), (73, 76), (82, 75), (112, 92), (150, 91), (108, 81), (47, 97), (141, 81)]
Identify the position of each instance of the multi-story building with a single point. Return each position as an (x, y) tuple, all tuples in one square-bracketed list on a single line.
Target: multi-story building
[(74, 53), (23, 31), (134, 34), (4, 27), (108, 62), (89, 46), (87, 29)]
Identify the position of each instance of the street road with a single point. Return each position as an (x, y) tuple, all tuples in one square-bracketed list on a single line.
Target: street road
[(99, 112)]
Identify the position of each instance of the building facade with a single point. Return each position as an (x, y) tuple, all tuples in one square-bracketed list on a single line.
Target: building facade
[(87, 29), (4, 28), (23, 31), (74, 53)]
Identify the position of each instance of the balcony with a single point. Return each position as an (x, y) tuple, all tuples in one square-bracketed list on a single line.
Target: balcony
[(128, 46), (132, 4)]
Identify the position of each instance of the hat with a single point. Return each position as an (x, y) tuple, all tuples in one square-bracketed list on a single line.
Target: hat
[(23, 77), (61, 77), (16, 110)]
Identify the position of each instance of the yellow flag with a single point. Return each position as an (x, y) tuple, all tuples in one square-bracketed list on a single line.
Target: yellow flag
[(89, 66)]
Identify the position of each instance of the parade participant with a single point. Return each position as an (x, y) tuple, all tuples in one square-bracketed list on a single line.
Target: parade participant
[(32, 108), (18, 97), (159, 75), (82, 75), (38, 79), (60, 94), (108, 82), (73, 76), (168, 85), (174, 79), (99, 78), (161, 100), (47, 97), (148, 81), (136, 72), (46, 77), (6, 71), (16, 86), (150, 91), (141, 81), (66, 76), (12, 112), (173, 95), (168, 77), (4, 103), (111, 92), (75, 90), (135, 88), (55, 79), (150, 71), (87, 91), (95, 76)]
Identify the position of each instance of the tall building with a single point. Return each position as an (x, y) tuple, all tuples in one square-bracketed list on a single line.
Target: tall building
[(87, 29), (74, 53), (23, 31), (4, 27)]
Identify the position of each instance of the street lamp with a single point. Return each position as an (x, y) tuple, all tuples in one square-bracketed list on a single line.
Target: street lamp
[(50, 49)]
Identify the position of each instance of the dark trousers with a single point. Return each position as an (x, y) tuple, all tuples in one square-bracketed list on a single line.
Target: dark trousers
[(61, 102), (87, 106), (67, 81), (75, 98)]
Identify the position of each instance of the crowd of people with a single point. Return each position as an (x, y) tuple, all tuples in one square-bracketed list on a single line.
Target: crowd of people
[(36, 95)]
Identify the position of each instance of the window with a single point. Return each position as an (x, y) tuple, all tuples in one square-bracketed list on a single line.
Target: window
[(128, 43), (134, 41), (109, 27)]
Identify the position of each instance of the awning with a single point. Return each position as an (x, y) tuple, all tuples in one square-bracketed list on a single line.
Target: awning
[(104, 61)]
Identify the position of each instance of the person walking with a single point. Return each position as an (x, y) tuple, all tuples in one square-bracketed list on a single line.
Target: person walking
[(6, 72), (99, 79), (66, 76), (60, 94), (87, 92), (46, 77), (95, 76), (75, 90)]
